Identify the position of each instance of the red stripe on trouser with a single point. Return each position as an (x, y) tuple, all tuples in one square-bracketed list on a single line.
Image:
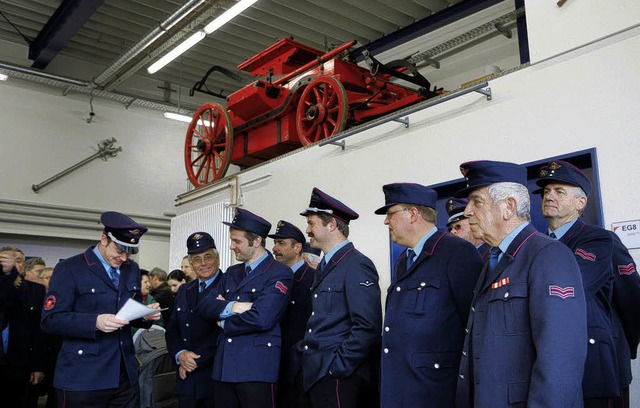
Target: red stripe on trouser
[(338, 392), (273, 397)]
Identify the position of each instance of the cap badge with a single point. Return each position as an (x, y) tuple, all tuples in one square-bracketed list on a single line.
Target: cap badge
[(450, 205), (554, 166), (464, 171), (280, 224), (544, 172), (197, 237)]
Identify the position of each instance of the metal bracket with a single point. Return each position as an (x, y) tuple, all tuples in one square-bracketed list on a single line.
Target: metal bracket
[(404, 121), (486, 92), (342, 144), (503, 30)]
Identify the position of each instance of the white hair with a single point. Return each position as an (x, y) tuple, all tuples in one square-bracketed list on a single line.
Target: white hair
[(501, 191)]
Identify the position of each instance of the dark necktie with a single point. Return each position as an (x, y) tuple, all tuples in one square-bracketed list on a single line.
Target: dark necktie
[(493, 258), (247, 269), (553, 235), (410, 255), (115, 276), (203, 286), (322, 265)]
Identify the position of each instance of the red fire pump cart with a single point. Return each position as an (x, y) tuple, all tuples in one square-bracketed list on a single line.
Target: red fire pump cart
[(316, 96)]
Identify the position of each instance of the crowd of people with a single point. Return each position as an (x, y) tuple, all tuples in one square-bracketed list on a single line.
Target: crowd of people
[(488, 312)]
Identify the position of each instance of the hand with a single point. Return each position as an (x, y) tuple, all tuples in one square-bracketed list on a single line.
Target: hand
[(153, 316), (182, 372), (241, 307), (187, 360), (109, 322), (36, 377), (7, 263)]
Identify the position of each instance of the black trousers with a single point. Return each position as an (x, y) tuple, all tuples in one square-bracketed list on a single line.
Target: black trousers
[(244, 394), (126, 395), (332, 392), (193, 402)]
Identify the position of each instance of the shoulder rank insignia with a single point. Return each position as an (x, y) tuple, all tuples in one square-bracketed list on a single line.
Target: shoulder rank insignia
[(562, 293), (626, 269), (585, 255), (367, 283)]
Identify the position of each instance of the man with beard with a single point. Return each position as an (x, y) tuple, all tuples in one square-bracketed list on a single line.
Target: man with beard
[(249, 303)]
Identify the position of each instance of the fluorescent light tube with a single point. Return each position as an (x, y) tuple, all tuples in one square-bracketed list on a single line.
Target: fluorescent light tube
[(225, 17), (176, 52)]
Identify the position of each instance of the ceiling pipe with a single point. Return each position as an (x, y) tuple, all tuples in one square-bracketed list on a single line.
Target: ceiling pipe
[(186, 9), (67, 84)]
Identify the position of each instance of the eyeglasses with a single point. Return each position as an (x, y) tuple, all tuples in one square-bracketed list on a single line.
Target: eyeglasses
[(202, 259), (390, 213)]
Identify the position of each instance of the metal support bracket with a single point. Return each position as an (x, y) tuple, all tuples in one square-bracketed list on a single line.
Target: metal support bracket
[(106, 149), (503, 30), (404, 121), (486, 92), (342, 144)]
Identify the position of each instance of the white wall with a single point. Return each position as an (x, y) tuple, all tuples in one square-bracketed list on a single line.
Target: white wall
[(44, 132)]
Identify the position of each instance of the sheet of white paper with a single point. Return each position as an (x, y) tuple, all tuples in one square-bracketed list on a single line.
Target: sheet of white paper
[(133, 310)]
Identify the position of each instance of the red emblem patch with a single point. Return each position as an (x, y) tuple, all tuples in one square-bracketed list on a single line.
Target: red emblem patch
[(626, 269), (562, 293), (49, 302), (585, 255), (280, 286)]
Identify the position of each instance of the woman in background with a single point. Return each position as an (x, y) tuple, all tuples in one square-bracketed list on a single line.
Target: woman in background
[(176, 279)]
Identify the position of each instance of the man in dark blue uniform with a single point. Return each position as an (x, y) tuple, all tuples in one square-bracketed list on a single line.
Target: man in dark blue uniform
[(249, 303), (190, 338), (564, 190), (96, 366), (287, 248), (526, 341), (344, 328), (427, 302), (458, 225), (23, 347), (626, 319)]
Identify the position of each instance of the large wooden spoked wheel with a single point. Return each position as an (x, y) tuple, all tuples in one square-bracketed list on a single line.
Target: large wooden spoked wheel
[(322, 110), (208, 145)]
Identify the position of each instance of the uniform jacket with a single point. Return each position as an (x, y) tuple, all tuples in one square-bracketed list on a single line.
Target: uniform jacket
[(484, 250), (80, 290), (593, 248), (526, 341), (294, 321), (188, 330), (23, 307), (626, 303), (426, 314), (249, 344), (345, 324)]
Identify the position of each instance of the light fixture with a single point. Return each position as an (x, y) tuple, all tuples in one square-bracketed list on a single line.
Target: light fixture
[(225, 17), (218, 22), (183, 118), (176, 52), (3, 77)]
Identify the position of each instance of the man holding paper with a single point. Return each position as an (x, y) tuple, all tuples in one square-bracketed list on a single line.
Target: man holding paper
[(96, 366)]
